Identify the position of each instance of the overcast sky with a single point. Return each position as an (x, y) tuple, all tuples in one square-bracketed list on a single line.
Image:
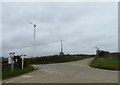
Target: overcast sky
[(81, 26)]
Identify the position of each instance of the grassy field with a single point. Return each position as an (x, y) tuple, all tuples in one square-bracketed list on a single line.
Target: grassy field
[(16, 72), (106, 63)]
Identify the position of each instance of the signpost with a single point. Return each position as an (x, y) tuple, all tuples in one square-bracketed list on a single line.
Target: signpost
[(23, 60), (11, 60)]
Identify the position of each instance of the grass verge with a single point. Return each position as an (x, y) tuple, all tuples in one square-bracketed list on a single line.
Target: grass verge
[(16, 72), (106, 63)]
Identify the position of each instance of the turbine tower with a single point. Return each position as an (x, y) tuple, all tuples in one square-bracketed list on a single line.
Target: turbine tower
[(61, 52), (34, 38)]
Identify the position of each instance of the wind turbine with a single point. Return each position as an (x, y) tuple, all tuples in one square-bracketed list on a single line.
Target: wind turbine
[(61, 47), (97, 48), (61, 53), (98, 51), (34, 39)]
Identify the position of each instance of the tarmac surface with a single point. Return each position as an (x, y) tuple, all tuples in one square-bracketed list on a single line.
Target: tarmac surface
[(70, 72)]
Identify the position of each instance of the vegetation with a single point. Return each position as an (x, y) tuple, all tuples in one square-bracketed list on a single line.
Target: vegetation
[(16, 72), (55, 59), (106, 63)]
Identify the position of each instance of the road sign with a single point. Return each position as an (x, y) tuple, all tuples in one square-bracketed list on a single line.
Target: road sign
[(11, 60), (11, 55)]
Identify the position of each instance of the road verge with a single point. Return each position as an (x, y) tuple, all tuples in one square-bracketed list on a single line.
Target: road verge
[(105, 63), (16, 72)]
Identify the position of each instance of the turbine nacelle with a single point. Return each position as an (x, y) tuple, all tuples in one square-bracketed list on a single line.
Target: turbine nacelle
[(34, 24)]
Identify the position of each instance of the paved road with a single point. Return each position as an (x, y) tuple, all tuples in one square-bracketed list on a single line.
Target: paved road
[(71, 72)]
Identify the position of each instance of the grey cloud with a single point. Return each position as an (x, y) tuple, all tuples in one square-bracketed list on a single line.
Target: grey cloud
[(81, 26)]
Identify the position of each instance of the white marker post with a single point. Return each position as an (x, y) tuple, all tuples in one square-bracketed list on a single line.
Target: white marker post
[(23, 60)]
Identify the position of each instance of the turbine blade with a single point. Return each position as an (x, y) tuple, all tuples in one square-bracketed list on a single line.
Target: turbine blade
[(30, 22)]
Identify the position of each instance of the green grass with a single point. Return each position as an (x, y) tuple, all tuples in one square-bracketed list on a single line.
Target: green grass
[(106, 63), (0, 75), (16, 72)]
